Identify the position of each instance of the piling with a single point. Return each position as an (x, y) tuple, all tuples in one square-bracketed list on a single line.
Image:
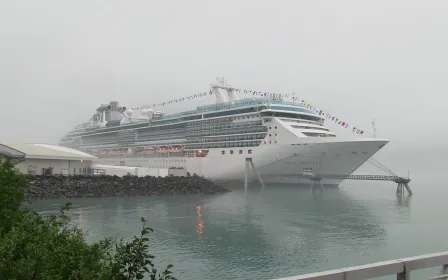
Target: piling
[(246, 174), (316, 183), (403, 183)]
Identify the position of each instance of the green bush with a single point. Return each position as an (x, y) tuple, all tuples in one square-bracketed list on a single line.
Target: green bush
[(41, 248)]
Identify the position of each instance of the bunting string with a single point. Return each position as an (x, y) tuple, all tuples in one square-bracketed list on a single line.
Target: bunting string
[(267, 95)]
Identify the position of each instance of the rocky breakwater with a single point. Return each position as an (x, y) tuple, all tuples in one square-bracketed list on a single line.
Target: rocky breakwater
[(107, 186)]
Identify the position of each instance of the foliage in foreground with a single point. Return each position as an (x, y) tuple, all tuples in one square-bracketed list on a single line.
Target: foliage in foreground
[(37, 247)]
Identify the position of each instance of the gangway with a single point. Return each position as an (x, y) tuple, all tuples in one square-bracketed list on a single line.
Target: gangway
[(402, 182)]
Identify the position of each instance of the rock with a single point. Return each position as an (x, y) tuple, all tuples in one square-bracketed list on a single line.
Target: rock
[(105, 186)]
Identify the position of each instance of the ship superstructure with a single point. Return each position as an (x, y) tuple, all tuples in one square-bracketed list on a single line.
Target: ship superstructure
[(283, 139)]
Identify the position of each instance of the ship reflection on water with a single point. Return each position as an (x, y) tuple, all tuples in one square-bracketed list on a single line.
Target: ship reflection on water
[(277, 232), (200, 222)]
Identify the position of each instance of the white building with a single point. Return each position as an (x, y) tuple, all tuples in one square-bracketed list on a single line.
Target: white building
[(47, 159)]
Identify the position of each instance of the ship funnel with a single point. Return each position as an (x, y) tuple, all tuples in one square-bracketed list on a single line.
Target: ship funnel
[(224, 92)]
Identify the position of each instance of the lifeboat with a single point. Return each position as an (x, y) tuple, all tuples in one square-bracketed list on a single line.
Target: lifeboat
[(201, 153), (174, 148)]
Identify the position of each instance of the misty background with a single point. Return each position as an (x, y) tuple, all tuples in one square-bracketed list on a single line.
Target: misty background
[(357, 60)]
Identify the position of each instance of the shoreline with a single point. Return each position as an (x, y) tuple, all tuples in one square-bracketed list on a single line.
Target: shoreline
[(79, 186)]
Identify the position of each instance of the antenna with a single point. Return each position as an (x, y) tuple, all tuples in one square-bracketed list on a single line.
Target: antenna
[(221, 81), (374, 128)]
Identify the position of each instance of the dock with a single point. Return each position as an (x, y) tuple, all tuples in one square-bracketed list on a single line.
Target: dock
[(402, 268), (402, 182)]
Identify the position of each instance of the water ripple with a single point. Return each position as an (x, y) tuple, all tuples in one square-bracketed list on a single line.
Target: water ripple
[(275, 233)]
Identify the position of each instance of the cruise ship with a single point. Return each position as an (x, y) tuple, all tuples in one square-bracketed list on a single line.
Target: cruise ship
[(284, 139)]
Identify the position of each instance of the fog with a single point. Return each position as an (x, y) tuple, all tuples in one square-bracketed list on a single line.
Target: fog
[(357, 60)]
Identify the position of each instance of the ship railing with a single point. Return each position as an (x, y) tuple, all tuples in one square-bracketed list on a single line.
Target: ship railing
[(245, 102), (228, 105), (400, 267)]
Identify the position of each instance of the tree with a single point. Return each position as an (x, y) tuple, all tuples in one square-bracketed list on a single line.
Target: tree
[(11, 193), (37, 247)]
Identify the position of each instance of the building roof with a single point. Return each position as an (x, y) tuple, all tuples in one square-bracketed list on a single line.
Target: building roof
[(43, 151), (11, 153)]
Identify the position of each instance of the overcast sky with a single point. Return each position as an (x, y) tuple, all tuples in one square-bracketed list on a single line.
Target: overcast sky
[(358, 60)]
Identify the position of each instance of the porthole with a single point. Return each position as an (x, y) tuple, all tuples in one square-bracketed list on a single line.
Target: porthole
[(241, 152), (231, 152)]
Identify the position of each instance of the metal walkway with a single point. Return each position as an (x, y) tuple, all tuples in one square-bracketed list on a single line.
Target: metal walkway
[(402, 183), (395, 179), (316, 179)]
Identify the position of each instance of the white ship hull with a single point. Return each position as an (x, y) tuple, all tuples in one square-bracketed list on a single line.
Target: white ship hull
[(283, 139), (277, 163)]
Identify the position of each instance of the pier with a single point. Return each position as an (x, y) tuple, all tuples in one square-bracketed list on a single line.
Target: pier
[(402, 183), (402, 268)]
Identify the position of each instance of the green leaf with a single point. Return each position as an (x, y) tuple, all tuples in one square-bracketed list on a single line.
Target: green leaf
[(37, 247)]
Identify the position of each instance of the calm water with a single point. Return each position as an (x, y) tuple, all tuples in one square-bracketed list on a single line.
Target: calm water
[(279, 232)]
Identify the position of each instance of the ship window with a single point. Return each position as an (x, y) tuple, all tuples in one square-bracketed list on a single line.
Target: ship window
[(231, 152), (241, 152), (80, 170), (223, 152), (313, 134), (270, 127), (270, 135), (291, 115), (250, 151), (275, 127), (270, 142)]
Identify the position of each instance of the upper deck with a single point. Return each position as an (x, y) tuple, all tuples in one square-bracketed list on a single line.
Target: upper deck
[(237, 104), (204, 112)]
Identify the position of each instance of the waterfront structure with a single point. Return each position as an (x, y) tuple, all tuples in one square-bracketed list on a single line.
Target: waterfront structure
[(400, 267), (46, 159), (281, 137)]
